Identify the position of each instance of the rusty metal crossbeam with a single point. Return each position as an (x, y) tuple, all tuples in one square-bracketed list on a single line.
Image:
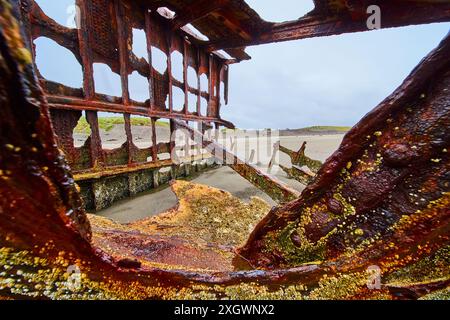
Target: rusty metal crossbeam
[(105, 36)]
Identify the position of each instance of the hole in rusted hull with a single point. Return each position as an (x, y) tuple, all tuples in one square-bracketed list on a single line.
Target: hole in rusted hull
[(112, 130), (106, 81), (203, 107), (62, 59), (63, 12), (159, 60), (141, 130), (177, 65), (192, 78), (178, 99), (140, 44), (138, 87), (81, 132)]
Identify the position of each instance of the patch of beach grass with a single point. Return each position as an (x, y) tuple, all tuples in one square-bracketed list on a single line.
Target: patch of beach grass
[(108, 123)]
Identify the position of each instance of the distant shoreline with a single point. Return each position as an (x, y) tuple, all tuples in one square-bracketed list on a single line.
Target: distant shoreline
[(314, 131), (108, 124), (309, 131)]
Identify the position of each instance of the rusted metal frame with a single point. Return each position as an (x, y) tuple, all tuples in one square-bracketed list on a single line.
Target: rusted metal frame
[(226, 75), (180, 84), (203, 68), (152, 106), (96, 152), (180, 31), (185, 32), (299, 174), (298, 158), (230, 21), (148, 33), (150, 58), (122, 169), (218, 93), (85, 50), (129, 135), (185, 77), (277, 190), (39, 24), (172, 145), (123, 37), (199, 95), (219, 79), (196, 11), (154, 141), (59, 102), (169, 69), (117, 170), (321, 25), (210, 85), (58, 213)]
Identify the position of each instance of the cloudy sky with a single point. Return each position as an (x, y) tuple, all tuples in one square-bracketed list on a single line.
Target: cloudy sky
[(322, 81)]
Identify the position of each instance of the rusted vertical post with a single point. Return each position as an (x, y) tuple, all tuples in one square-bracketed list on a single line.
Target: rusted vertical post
[(225, 83), (199, 94), (172, 137), (185, 77), (123, 38), (169, 70), (218, 93), (210, 87), (96, 151), (85, 50), (148, 29), (154, 142), (129, 135)]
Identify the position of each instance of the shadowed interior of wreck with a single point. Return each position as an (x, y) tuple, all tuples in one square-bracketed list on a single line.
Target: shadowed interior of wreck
[(381, 199)]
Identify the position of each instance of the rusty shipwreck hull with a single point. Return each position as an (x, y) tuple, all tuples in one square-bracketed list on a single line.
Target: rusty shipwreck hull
[(392, 166), (364, 207)]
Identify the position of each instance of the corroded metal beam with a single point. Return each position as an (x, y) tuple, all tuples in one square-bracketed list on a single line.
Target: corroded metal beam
[(354, 19), (195, 11), (299, 161), (299, 158), (301, 175), (277, 190)]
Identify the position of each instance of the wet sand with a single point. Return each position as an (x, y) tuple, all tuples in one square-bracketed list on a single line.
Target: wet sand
[(319, 147)]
